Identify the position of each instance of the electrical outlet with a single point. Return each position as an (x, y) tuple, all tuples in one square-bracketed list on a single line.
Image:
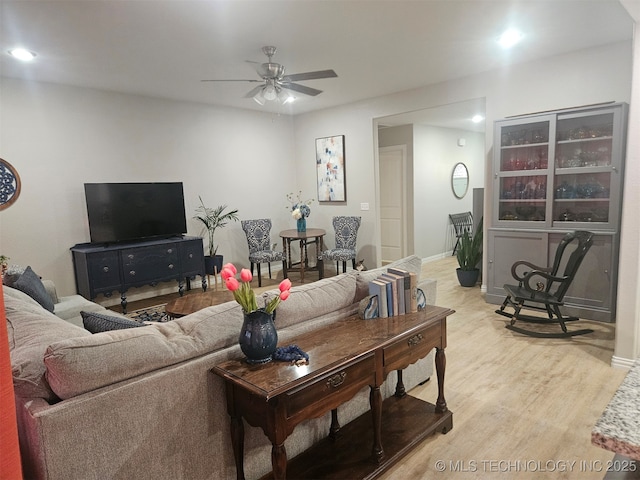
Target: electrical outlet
[(364, 206)]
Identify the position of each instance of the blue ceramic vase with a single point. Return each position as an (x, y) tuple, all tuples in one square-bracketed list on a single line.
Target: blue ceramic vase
[(302, 224), (258, 337)]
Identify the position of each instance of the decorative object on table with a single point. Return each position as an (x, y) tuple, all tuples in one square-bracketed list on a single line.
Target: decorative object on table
[(330, 168), (260, 248), (4, 265), (346, 231), (212, 219), (293, 354), (469, 255), (300, 210), (258, 336), (9, 184), (368, 307), (421, 299)]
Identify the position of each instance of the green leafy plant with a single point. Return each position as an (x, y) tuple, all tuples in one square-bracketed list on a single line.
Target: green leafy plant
[(212, 219), (469, 251)]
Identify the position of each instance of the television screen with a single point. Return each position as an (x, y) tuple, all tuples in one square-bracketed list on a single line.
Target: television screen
[(129, 211)]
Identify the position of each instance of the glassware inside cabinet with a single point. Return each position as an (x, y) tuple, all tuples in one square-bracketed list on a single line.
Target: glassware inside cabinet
[(586, 153), (584, 141), (582, 197), (524, 134), (523, 198), (577, 211), (524, 158)]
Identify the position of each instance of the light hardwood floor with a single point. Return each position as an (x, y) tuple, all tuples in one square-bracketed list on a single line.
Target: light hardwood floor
[(522, 407)]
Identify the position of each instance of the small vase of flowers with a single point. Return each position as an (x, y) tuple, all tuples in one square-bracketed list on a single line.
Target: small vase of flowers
[(300, 210), (258, 336)]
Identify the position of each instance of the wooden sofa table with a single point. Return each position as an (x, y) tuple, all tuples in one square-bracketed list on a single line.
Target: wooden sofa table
[(344, 358)]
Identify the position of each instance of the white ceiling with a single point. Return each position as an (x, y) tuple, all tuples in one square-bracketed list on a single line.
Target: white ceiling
[(164, 48)]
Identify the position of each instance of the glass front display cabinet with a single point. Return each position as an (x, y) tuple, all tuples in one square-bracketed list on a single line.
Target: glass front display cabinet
[(556, 172)]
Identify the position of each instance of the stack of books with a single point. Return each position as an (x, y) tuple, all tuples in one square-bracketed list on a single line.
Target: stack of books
[(396, 291)]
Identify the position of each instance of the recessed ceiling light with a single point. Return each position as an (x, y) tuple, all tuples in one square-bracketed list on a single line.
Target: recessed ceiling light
[(22, 54), (477, 118), (510, 37)]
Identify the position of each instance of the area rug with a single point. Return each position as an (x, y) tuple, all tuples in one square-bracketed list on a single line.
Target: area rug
[(149, 314)]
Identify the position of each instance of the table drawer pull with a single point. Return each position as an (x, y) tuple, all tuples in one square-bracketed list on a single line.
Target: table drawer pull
[(415, 340), (336, 380)]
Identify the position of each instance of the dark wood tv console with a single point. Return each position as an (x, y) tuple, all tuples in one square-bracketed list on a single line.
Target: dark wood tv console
[(103, 269), (344, 357)]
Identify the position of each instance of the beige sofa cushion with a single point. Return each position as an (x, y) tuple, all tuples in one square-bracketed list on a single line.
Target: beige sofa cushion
[(314, 300), (79, 365), (31, 329)]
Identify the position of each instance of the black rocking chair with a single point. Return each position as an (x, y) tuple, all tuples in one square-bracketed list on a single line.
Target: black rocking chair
[(543, 289)]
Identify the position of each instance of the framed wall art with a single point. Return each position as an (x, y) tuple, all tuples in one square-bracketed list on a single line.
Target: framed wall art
[(330, 169), (9, 184)]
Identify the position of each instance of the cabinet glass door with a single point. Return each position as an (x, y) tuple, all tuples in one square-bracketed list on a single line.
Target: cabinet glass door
[(583, 169), (522, 172)]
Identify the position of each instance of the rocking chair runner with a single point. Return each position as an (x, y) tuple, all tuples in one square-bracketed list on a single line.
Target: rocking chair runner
[(532, 292)]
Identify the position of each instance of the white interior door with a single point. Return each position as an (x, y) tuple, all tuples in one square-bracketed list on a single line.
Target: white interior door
[(392, 202)]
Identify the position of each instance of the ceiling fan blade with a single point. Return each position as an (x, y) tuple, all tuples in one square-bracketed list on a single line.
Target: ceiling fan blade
[(296, 77), (254, 91), (301, 89), (232, 80)]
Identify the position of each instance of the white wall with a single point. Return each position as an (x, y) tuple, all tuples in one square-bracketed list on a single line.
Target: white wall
[(59, 137), (436, 152)]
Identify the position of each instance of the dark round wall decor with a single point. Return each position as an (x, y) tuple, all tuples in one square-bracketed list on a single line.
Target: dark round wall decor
[(9, 184)]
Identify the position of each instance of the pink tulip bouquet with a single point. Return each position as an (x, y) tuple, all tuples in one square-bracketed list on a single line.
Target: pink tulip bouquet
[(244, 294)]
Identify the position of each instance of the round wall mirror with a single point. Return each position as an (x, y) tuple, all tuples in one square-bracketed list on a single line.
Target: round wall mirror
[(460, 180)]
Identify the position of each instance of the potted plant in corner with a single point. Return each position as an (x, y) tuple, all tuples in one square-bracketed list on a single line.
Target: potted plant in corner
[(212, 219), (469, 255)]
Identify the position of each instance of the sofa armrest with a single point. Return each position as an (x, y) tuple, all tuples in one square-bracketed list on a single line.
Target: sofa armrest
[(50, 287)]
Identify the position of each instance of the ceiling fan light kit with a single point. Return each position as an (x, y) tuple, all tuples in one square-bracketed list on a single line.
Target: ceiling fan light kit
[(276, 82)]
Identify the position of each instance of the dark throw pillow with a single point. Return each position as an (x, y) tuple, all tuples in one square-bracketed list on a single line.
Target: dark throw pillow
[(97, 322), (31, 284)]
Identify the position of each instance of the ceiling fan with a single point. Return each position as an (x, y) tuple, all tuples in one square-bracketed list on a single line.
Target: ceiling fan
[(274, 81)]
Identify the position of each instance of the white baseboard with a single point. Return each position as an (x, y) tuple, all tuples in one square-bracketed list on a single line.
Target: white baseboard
[(433, 258), (620, 362)]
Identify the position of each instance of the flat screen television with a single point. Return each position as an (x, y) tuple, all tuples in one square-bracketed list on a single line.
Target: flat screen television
[(120, 212)]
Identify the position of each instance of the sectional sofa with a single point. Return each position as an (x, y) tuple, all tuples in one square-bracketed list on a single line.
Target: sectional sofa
[(141, 403)]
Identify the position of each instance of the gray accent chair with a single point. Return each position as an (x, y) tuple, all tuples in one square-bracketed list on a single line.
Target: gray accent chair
[(259, 241), (346, 231)]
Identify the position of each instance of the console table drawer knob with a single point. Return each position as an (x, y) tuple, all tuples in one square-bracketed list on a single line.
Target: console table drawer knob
[(336, 380), (169, 250), (132, 273), (105, 269), (415, 340), (131, 256), (171, 266), (191, 255)]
